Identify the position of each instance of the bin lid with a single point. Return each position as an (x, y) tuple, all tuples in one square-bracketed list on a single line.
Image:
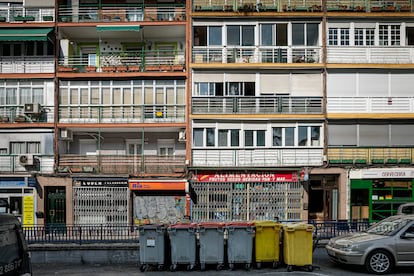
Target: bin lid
[(239, 224), (183, 225), (266, 223), (298, 227), (211, 224), (152, 226)]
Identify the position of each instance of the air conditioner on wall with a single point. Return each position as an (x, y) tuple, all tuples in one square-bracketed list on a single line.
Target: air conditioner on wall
[(26, 159), (66, 134), (32, 108)]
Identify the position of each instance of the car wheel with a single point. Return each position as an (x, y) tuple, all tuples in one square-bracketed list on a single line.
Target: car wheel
[(379, 262)]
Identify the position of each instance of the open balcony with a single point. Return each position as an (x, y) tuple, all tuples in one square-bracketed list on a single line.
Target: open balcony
[(17, 114), (370, 54), (260, 54), (370, 156), (131, 12), (145, 61), (122, 113), (24, 163), (121, 164), (257, 157), (383, 105), (16, 14), (27, 64), (257, 105)]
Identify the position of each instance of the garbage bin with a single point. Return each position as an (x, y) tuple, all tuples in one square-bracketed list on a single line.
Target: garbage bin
[(152, 246), (267, 241), (298, 245), (240, 243), (183, 241), (211, 238)]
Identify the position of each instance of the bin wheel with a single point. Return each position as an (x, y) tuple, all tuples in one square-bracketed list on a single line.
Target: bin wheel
[(202, 267), (275, 264), (190, 267), (259, 265), (247, 266), (309, 268), (231, 266), (173, 267), (289, 268), (160, 267), (219, 267), (142, 268)]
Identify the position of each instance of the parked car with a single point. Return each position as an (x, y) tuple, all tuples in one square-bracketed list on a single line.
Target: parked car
[(382, 246), (14, 254), (406, 208)]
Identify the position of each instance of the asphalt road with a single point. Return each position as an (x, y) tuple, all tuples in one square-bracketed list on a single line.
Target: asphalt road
[(322, 266)]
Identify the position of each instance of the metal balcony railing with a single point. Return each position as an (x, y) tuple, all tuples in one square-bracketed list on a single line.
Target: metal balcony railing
[(21, 14), (113, 113), (123, 13), (370, 156), (27, 64), (121, 163), (257, 105), (16, 114), (260, 54), (11, 163), (125, 62)]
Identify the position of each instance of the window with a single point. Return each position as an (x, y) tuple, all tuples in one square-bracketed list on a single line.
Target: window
[(165, 147), (273, 34), (389, 35), (241, 88), (24, 147), (240, 35), (333, 37), (225, 134), (198, 137), (344, 36), (254, 138), (134, 146), (207, 36), (210, 137), (289, 136), (305, 34), (338, 36), (208, 89)]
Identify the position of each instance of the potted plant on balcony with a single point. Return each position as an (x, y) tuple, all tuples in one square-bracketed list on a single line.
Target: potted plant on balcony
[(47, 18), (134, 68), (90, 68)]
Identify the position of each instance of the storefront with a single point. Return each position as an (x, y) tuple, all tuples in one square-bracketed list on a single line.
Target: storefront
[(100, 200), (19, 192), (228, 196), (161, 201), (376, 193)]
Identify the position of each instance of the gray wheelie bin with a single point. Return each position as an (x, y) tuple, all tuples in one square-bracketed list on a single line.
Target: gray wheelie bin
[(211, 238), (183, 241), (240, 243), (152, 246)]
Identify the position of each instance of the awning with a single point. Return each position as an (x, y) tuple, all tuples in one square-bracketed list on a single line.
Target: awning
[(30, 34), (167, 187), (125, 28)]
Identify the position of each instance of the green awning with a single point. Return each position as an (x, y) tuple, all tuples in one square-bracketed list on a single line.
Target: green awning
[(125, 28), (31, 34)]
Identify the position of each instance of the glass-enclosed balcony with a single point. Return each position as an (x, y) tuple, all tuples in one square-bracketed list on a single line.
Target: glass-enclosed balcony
[(370, 54), (257, 105), (260, 54), (20, 114), (370, 155), (121, 164), (258, 157), (113, 113), (302, 6), (132, 12), (143, 61), (27, 64), (387, 105)]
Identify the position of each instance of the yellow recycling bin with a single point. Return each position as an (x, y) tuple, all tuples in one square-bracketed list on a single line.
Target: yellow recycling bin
[(298, 245), (267, 242)]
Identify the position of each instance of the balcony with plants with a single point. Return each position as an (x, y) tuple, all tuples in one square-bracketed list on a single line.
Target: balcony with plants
[(113, 11), (16, 13)]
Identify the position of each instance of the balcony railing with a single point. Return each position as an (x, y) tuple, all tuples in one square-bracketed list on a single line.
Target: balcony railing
[(144, 61), (370, 104), (16, 114), (303, 6), (121, 164), (11, 163), (260, 54), (122, 13), (257, 105), (370, 156), (257, 157), (371, 54), (27, 64), (21, 14), (121, 113)]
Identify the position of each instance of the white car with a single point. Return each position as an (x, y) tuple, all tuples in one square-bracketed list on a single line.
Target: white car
[(406, 208), (384, 245)]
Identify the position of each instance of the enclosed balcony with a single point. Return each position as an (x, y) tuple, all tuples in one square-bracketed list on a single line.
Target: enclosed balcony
[(113, 11), (21, 114), (264, 157), (370, 155), (370, 54), (260, 54), (257, 105)]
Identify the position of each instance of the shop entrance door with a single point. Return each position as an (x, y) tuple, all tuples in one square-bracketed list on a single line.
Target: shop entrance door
[(55, 206)]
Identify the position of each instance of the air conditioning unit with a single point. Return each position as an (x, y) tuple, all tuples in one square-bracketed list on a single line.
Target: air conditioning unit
[(32, 108), (26, 159), (66, 134), (181, 136)]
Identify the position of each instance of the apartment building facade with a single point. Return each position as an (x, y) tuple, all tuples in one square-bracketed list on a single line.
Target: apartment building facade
[(116, 112)]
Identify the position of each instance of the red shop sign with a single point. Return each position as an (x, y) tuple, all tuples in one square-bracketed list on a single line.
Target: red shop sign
[(247, 177)]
